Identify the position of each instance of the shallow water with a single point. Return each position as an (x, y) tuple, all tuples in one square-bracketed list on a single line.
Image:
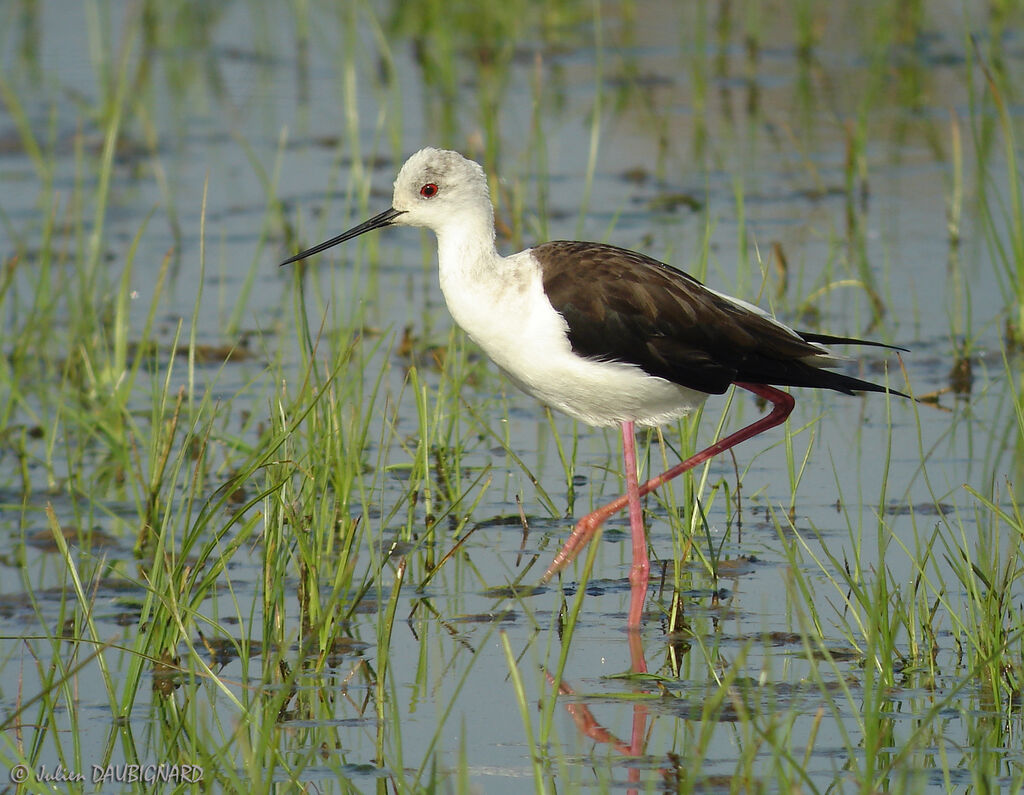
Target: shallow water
[(703, 139)]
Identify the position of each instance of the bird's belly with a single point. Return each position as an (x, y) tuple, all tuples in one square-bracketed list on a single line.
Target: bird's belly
[(606, 393), (528, 340)]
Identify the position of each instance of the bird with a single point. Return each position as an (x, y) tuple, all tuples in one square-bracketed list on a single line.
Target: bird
[(609, 336)]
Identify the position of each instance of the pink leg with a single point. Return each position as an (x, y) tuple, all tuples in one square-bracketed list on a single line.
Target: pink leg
[(782, 405), (637, 661), (639, 574)]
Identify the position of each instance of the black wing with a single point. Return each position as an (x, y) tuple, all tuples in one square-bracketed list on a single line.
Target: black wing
[(623, 306)]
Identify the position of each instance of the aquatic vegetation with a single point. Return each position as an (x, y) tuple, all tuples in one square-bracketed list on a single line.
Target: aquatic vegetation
[(284, 526)]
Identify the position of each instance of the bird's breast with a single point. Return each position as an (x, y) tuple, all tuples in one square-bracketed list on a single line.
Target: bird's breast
[(516, 326)]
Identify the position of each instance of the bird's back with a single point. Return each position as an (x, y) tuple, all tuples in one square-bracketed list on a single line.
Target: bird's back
[(624, 306)]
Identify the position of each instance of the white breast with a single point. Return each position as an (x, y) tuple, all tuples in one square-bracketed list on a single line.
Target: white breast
[(511, 319)]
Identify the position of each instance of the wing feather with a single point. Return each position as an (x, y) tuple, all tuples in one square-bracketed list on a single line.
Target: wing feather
[(624, 306)]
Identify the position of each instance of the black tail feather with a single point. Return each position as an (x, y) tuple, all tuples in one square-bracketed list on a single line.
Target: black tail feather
[(829, 379), (847, 384), (828, 339), (799, 374)]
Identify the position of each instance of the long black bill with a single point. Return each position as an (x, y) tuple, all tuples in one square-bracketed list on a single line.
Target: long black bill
[(385, 218)]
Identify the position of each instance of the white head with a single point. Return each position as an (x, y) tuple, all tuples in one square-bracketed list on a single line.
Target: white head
[(437, 185), (436, 188)]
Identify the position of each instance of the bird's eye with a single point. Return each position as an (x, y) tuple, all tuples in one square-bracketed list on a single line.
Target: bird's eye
[(429, 190)]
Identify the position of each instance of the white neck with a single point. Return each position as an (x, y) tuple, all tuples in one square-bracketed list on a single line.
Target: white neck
[(466, 252)]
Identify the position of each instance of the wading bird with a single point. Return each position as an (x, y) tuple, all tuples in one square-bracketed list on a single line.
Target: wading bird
[(606, 335)]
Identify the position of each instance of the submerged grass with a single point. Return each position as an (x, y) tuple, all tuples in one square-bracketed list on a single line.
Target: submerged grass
[(258, 551)]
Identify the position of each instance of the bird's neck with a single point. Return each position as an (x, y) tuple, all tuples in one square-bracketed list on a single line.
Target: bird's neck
[(466, 251)]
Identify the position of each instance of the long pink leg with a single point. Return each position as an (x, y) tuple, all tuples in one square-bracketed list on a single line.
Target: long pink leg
[(639, 574), (782, 406)]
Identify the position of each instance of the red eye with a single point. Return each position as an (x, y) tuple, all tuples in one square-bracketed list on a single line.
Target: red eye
[(429, 190)]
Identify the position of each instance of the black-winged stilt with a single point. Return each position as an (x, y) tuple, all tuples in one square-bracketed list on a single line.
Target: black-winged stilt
[(606, 335)]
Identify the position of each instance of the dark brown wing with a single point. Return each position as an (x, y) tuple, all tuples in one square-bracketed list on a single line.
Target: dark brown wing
[(623, 306)]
